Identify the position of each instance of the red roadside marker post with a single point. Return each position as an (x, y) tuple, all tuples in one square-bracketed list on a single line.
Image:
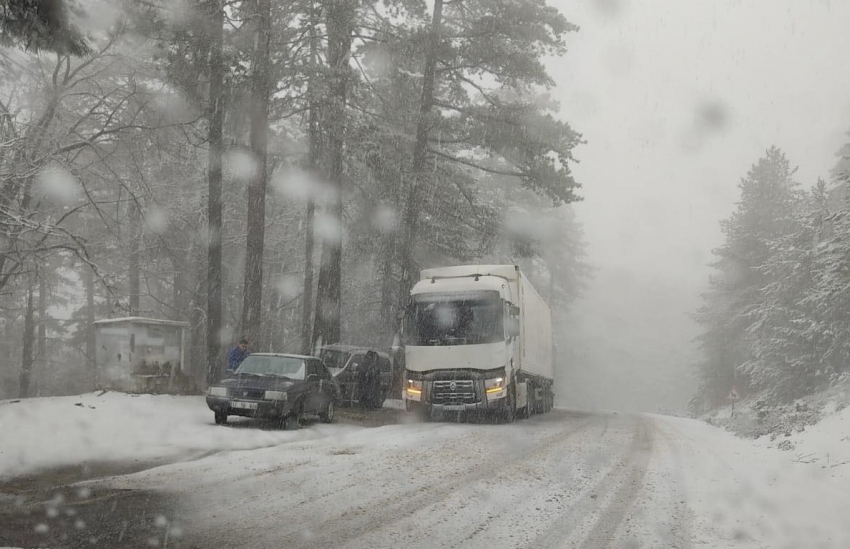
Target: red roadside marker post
[(733, 396)]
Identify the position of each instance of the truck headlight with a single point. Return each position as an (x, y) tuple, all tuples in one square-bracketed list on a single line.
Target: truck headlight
[(496, 388), (413, 390), (275, 395), (217, 391)]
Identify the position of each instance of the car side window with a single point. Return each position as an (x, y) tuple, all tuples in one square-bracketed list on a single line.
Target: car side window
[(323, 372), (356, 361), (312, 368)]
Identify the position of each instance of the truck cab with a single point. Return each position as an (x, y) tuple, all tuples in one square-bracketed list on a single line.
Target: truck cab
[(463, 342)]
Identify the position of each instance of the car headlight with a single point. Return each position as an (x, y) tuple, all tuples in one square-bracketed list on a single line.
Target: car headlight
[(218, 391), (275, 395), (413, 390), (496, 388)]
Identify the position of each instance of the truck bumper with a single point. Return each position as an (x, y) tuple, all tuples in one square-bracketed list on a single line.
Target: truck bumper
[(483, 406), (454, 391)]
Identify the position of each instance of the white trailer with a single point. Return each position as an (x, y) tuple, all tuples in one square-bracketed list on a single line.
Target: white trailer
[(477, 338)]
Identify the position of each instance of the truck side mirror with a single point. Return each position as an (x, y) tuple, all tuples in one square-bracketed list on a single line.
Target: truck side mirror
[(513, 326)]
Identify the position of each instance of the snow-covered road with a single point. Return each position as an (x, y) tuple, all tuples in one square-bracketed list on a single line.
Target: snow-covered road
[(563, 480)]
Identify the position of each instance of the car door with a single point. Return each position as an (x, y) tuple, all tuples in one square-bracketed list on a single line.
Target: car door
[(386, 372), (350, 380), (314, 386), (327, 387)]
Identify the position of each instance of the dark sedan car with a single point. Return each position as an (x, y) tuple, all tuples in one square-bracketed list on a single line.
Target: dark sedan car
[(276, 386)]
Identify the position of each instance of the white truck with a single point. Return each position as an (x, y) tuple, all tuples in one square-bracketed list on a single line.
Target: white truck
[(477, 338)]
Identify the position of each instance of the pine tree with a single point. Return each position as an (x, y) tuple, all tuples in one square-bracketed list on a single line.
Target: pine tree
[(765, 214)]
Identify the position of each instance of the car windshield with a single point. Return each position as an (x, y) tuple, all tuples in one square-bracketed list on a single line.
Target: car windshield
[(334, 360), (452, 320), (292, 368)]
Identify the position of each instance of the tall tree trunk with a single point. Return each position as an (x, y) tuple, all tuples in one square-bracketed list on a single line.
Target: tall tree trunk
[(260, 97), (214, 136), (88, 278), (26, 355), (307, 294), (420, 155), (340, 19), (389, 286), (197, 316), (41, 353), (135, 245), (314, 162)]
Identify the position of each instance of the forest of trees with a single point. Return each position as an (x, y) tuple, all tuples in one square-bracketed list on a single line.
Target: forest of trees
[(776, 319), (279, 170)]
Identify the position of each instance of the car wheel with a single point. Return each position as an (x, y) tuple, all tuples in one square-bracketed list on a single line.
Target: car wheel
[(293, 420), (220, 418), (328, 415)]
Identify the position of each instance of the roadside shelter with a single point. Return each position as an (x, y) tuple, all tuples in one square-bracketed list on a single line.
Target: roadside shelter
[(139, 355)]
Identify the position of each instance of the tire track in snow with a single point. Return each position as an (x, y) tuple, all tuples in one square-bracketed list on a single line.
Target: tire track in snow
[(605, 500), (611, 519), (678, 533), (540, 486), (401, 505)]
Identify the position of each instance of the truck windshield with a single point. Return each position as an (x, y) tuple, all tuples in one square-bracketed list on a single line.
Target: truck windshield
[(455, 321)]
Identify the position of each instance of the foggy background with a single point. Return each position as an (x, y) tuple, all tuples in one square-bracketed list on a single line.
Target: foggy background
[(676, 101)]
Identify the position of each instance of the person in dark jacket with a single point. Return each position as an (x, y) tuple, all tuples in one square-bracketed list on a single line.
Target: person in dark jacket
[(237, 355), (369, 381)]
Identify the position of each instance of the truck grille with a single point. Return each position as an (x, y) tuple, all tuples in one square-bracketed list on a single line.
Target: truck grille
[(254, 394), (456, 391)]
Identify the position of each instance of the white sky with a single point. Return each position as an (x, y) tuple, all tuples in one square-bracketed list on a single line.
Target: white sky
[(656, 180), (633, 81)]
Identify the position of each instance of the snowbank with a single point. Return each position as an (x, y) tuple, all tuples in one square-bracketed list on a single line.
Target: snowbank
[(826, 444), (742, 493), (42, 433)]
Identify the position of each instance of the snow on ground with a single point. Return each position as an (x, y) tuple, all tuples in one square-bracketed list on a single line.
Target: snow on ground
[(564, 479), (41, 433), (825, 444), (588, 481), (742, 494)]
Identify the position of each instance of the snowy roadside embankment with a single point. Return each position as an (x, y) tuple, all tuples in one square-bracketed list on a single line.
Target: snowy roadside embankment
[(782, 426), (42, 433), (742, 493), (825, 444)]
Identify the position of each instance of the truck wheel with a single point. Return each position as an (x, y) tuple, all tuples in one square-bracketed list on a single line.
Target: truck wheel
[(221, 418), (425, 414), (509, 413), (421, 411)]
